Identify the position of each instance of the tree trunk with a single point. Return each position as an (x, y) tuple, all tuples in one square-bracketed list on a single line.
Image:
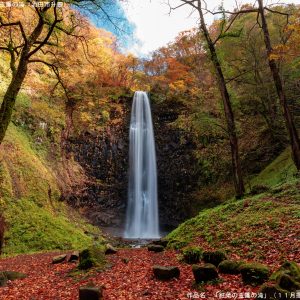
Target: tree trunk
[(18, 77), (236, 163), (10, 96), (289, 122), (65, 134)]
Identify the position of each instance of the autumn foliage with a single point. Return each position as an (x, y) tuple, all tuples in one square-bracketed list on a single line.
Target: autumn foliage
[(2, 231)]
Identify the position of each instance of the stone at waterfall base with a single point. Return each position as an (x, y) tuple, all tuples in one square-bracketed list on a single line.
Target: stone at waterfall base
[(10, 275), (74, 256), (205, 273), (214, 257), (166, 273), (110, 250), (59, 259), (155, 248), (254, 273), (90, 293)]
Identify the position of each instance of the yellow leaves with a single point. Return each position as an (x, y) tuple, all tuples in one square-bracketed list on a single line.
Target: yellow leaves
[(85, 117), (274, 56), (195, 91), (279, 51), (105, 115), (178, 86), (116, 121)]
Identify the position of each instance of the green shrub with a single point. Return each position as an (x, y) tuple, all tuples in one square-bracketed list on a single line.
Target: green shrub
[(192, 254), (92, 257), (230, 267), (177, 244), (254, 273), (214, 257)]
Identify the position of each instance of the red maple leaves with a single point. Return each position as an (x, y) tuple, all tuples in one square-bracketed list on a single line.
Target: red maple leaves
[(126, 279)]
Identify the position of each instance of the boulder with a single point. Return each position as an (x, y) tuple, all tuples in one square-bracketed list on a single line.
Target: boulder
[(205, 273), (290, 268), (230, 267), (91, 257), (166, 273), (214, 257), (90, 293), (86, 261), (254, 273), (155, 248), (161, 242), (10, 275), (110, 250), (192, 254), (74, 256), (288, 283), (125, 260), (259, 189), (59, 259), (271, 291)]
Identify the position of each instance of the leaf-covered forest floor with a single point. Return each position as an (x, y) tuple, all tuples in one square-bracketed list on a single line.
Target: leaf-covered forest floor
[(132, 280), (263, 228)]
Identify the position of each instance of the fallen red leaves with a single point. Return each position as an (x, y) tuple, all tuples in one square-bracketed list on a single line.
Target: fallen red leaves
[(133, 280)]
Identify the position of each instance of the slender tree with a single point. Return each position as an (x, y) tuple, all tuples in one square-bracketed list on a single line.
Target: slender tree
[(229, 116), (21, 54), (289, 122), (25, 44)]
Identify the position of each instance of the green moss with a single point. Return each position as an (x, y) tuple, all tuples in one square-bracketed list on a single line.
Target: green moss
[(244, 223), (214, 257), (288, 276), (35, 221), (176, 244), (273, 290), (192, 254), (34, 228), (92, 257), (230, 266), (254, 273), (280, 170), (289, 267)]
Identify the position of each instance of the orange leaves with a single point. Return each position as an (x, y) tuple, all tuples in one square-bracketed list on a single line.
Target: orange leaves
[(132, 280)]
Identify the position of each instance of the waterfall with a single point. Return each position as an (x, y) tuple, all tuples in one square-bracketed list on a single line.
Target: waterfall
[(142, 208)]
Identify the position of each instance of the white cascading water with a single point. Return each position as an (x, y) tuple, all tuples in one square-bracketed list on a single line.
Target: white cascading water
[(142, 208)]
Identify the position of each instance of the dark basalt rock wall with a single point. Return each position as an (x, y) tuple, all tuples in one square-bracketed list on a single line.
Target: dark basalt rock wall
[(176, 166), (104, 156)]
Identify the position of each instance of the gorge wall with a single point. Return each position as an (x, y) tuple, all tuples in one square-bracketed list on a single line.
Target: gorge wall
[(104, 157)]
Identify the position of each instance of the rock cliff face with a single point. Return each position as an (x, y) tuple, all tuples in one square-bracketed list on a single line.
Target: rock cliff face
[(104, 156)]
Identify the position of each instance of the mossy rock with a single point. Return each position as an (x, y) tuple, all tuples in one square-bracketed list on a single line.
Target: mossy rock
[(90, 293), (166, 273), (91, 257), (271, 291), (290, 268), (162, 242), (288, 283), (192, 254), (177, 244), (254, 273), (230, 267), (204, 273), (259, 189), (110, 249), (10, 275), (59, 259), (214, 257), (155, 248)]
